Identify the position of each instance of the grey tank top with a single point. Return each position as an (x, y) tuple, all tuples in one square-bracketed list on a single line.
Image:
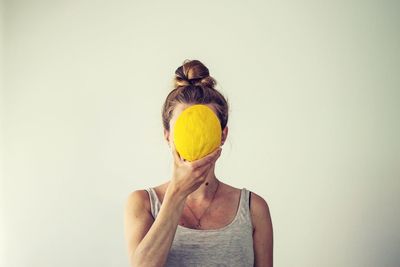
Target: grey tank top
[(231, 245)]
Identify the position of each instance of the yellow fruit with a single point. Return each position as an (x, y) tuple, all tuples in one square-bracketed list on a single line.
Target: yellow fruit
[(197, 132)]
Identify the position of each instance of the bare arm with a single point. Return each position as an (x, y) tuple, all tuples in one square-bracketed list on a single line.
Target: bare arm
[(149, 240), (263, 232)]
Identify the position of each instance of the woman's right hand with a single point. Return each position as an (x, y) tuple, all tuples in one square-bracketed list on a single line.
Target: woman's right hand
[(187, 176)]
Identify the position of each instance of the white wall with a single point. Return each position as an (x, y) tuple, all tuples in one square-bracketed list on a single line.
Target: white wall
[(314, 122)]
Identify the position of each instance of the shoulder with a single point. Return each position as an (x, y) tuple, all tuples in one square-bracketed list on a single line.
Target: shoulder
[(138, 200), (263, 240), (259, 209)]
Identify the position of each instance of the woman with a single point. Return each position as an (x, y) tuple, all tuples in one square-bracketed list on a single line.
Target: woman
[(194, 219)]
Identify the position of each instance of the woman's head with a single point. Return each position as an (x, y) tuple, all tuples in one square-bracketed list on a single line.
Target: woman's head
[(193, 85)]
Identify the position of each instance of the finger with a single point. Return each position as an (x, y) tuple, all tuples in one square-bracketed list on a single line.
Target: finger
[(205, 170), (175, 153), (207, 159)]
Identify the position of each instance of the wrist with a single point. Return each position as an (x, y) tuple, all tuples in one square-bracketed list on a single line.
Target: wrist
[(173, 191)]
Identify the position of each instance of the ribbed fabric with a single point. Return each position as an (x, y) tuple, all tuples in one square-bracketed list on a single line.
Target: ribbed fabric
[(231, 245)]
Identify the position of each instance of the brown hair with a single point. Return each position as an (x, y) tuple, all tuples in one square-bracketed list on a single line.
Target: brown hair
[(194, 85)]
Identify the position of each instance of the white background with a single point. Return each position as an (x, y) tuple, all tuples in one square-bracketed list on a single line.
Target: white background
[(314, 89)]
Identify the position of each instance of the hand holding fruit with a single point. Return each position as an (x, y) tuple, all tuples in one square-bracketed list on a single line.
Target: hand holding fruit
[(188, 176)]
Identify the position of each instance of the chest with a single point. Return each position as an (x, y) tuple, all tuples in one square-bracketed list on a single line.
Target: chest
[(220, 213)]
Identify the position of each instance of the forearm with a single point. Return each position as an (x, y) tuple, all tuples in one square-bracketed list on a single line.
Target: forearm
[(154, 248)]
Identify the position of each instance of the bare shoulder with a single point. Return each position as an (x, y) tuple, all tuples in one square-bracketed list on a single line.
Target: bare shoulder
[(263, 240), (259, 209), (138, 200)]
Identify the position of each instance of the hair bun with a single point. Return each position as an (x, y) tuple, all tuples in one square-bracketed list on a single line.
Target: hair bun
[(193, 72)]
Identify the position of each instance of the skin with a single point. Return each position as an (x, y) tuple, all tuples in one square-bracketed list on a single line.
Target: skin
[(149, 239), (203, 193)]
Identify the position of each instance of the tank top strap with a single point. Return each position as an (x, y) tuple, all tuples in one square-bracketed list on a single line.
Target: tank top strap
[(244, 212), (155, 204)]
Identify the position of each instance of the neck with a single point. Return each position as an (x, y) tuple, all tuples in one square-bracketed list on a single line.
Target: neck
[(206, 190)]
